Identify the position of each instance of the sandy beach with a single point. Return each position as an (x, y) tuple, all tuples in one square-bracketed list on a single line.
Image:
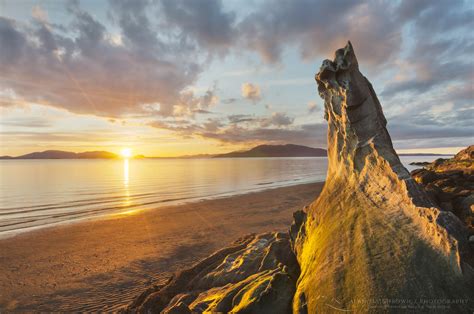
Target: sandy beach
[(103, 264)]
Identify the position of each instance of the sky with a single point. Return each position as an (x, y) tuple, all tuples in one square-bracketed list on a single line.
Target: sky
[(182, 77)]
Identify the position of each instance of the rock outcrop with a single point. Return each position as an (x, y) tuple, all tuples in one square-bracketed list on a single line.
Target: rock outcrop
[(466, 154), (373, 241), (463, 161), (255, 275), (450, 184)]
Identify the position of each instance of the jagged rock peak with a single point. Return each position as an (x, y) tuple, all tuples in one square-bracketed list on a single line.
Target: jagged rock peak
[(356, 124)]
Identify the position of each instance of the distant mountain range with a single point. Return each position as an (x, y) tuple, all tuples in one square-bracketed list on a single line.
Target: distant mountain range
[(59, 154), (288, 150)]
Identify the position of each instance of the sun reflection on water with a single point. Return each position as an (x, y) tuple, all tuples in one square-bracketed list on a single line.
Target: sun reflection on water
[(127, 212), (126, 180), (126, 172)]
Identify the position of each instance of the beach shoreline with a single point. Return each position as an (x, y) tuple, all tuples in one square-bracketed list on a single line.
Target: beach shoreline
[(102, 264), (138, 208)]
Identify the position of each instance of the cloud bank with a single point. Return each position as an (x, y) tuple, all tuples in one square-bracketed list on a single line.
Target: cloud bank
[(144, 60)]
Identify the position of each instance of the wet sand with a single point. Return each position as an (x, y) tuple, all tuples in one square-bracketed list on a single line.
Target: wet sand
[(103, 264)]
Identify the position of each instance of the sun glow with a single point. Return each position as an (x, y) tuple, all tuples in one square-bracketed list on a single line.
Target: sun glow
[(126, 153)]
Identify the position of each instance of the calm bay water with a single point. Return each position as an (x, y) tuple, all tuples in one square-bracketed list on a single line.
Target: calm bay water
[(38, 193)]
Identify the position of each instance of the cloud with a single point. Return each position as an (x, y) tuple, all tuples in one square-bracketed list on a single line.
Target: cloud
[(312, 107), (26, 122), (39, 14), (431, 143), (434, 16), (430, 98), (278, 119), (202, 111), (84, 72), (202, 21), (188, 103), (239, 118), (25, 138), (183, 128), (249, 129), (433, 63), (406, 131), (311, 135), (145, 63), (251, 91), (136, 28), (318, 27), (229, 100), (212, 125), (435, 60)]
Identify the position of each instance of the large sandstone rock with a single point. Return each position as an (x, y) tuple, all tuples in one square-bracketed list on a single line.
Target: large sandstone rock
[(373, 234)]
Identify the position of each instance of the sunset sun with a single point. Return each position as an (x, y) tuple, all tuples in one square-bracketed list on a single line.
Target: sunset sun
[(126, 152)]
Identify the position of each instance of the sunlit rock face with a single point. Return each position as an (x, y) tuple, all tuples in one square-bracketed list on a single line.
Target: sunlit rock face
[(257, 274), (373, 234), (466, 155)]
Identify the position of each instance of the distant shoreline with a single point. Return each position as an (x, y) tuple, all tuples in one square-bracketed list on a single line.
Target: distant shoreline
[(275, 151), (216, 157)]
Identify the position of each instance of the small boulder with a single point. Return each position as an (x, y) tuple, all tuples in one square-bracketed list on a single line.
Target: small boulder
[(424, 176)]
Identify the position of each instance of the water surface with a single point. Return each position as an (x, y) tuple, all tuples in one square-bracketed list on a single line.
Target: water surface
[(37, 193)]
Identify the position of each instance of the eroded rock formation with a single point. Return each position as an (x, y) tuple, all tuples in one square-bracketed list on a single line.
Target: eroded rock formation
[(373, 237), (373, 234)]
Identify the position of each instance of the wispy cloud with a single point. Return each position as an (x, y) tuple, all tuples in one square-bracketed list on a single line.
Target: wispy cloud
[(251, 91)]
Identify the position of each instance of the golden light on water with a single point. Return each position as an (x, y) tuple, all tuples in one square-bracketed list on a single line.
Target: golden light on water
[(127, 202), (126, 177), (126, 172), (126, 152)]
